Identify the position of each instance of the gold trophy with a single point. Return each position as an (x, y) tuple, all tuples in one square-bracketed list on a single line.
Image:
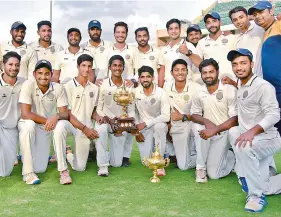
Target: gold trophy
[(156, 162), (124, 123)]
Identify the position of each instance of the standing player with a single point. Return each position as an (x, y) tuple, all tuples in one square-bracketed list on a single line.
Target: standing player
[(108, 109), (177, 48), (215, 112), (97, 47), (193, 34), (180, 93), (257, 139), (145, 54), (10, 86), (65, 67), (38, 99), (28, 55), (45, 48)]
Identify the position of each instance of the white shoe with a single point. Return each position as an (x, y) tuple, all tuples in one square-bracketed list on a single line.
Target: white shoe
[(201, 176), (31, 179), (255, 205), (103, 171)]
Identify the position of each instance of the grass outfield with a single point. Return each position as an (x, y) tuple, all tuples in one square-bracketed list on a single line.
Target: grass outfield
[(126, 192)]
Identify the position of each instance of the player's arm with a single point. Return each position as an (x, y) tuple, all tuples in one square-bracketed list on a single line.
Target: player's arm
[(27, 114)]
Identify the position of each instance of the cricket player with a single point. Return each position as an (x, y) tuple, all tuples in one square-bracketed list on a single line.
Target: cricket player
[(153, 113), (180, 93), (38, 99), (193, 34), (145, 54), (108, 109), (10, 87), (17, 44), (45, 48), (97, 47), (214, 110), (82, 97), (256, 137), (177, 48), (65, 67), (216, 45)]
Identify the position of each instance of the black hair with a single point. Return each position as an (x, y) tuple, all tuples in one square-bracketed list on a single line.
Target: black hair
[(83, 58), (179, 61), (116, 57), (44, 22), (171, 21), (208, 62), (146, 69), (141, 29), (121, 24), (9, 55), (237, 9)]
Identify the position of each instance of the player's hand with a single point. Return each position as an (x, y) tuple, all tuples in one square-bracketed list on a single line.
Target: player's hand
[(227, 80), (208, 133), (129, 83), (183, 49), (51, 123), (209, 125), (141, 126), (176, 115), (245, 138), (139, 137), (99, 82), (90, 133)]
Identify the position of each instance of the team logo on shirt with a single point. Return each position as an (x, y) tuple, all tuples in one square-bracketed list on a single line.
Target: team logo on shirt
[(152, 58), (51, 96), (245, 94), (186, 97), (52, 49), (101, 49), (224, 40), (22, 52), (152, 101), (219, 96), (91, 94), (127, 56), (4, 95)]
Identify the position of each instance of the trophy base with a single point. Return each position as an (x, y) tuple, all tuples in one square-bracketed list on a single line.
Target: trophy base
[(125, 124), (154, 179)]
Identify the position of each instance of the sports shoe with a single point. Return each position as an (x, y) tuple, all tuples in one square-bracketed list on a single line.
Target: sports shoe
[(126, 162), (31, 179), (65, 179), (255, 204), (103, 171), (161, 172), (201, 176), (242, 181)]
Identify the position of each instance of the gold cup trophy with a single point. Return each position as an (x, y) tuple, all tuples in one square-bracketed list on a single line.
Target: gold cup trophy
[(124, 123), (155, 162)]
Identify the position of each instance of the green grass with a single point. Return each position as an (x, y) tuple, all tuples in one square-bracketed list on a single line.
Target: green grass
[(126, 192)]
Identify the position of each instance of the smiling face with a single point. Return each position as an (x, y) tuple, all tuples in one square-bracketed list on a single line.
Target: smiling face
[(45, 33), (85, 68), (242, 67), (18, 35), (116, 68), (194, 37), (240, 20), (146, 79), (12, 67), (209, 75), (263, 18), (142, 38), (74, 39), (95, 34), (179, 72), (174, 31), (43, 77), (213, 25), (120, 34)]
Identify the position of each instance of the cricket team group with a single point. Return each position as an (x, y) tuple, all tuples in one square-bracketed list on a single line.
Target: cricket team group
[(211, 103)]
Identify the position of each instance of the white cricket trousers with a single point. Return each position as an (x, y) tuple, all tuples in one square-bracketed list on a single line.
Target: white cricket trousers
[(8, 150), (181, 135), (156, 134), (35, 146), (255, 162), (213, 154)]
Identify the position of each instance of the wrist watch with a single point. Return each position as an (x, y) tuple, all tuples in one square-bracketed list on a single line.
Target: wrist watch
[(184, 118), (189, 53)]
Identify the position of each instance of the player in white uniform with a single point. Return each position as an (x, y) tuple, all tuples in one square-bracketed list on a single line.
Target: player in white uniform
[(256, 137), (10, 87), (82, 97), (214, 109), (153, 111), (180, 93), (108, 110), (17, 44), (38, 99)]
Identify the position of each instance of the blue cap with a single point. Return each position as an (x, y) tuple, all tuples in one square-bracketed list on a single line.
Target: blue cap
[(241, 51), (260, 6), (214, 15), (94, 23), (193, 27), (43, 64), (18, 24)]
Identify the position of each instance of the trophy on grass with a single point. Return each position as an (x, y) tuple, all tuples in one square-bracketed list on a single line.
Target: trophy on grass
[(124, 123), (156, 162)]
